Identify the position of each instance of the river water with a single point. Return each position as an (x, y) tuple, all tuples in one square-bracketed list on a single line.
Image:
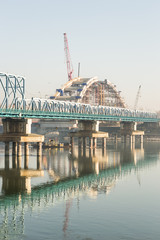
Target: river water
[(102, 194)]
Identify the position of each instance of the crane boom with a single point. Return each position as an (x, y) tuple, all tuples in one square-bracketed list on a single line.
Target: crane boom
[(68, 58)]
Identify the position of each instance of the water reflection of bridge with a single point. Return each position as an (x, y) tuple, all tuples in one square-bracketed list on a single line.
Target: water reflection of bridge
[(112, 165)]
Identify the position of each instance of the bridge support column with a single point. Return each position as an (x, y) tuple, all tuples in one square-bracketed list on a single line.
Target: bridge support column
[(88, 129), (39, 155), (6, 155), (19, 154), (115, 138), (133, 138), (80, 142), (130, 129), (39, 149), (141, 138), (14, 154), (18, 131), (84, 142), (14, 148), (26, 149), (26, 161), (94, 142), (14, 161), (39, 161), (90, 142), (26, 155), (93, 136), (19, 149), (123, 138), (88, 125), (19, 159), (7, 148), (72, 141), (103, 142), (84, 145)]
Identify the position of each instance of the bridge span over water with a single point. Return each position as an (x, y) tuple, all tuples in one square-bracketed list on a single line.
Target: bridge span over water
[(16, 109), (53, 109), (14, 104)]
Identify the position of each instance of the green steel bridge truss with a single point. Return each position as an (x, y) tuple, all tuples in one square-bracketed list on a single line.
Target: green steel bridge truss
[(18, 113)]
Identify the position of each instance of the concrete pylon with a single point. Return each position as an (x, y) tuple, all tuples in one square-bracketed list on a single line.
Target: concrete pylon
[(94, 142), (39, 149), (19, 149), (90, 142), (14, 148), (103, 142)]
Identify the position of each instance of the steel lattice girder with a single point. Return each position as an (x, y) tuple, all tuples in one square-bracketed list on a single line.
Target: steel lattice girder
[(42, 108), (71, 116), (12, 87)]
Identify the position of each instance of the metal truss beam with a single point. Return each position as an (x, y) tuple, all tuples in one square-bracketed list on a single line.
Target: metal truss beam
[(12, 88), (42, 108)]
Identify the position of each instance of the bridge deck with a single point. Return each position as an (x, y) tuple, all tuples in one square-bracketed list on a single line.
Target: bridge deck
[(15, 113)]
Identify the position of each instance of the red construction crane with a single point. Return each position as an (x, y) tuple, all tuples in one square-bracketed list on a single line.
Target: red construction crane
[(68, 58)]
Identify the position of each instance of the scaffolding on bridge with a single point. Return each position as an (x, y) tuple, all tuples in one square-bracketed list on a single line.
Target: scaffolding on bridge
[(91, 91)]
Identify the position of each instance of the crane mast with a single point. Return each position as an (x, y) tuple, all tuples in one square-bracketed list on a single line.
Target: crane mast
[(68, 58)]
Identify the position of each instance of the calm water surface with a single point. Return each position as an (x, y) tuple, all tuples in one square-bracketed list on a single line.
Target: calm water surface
[(102, 194)]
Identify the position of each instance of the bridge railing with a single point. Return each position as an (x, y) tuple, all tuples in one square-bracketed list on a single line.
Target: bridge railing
[(55, 106)]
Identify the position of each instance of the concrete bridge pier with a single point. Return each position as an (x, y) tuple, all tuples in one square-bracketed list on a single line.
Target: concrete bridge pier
[(39, 148), (18, 131), (6, 155), (84, 145), (88, 130), (14, 148), (130, 129), (90, 142), (19, 155), (94, 142), (26, 161), (14, 161), (115, 139), (39, 155), (26, 149), (14, 154), (79, 142), (19, 161), (39, 161), (19, 149), (72, 141), (7, 148), (103, 142), (6, 161), (141, 139), (79, 152), (26, 155)]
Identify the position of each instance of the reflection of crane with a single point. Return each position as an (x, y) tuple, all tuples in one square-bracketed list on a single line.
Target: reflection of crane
[(66, 220), (137, 98), (68, 58)]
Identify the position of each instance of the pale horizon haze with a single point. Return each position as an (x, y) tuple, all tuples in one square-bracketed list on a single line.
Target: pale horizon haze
[(118, 40)]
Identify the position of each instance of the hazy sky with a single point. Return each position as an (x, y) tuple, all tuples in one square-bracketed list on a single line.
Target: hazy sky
[(114, 39)]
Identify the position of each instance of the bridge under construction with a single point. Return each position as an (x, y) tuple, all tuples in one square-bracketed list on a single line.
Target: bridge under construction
[(90, 91)]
